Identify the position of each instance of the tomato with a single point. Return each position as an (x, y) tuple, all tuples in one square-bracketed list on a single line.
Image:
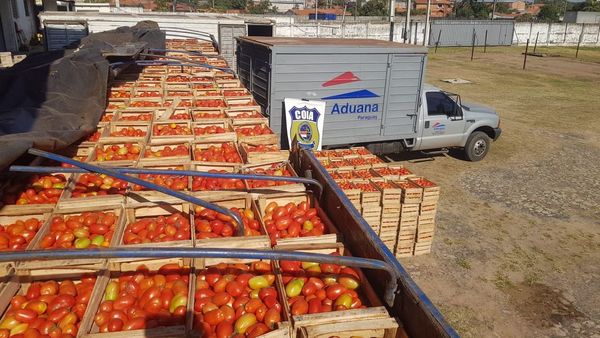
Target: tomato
[(61, 301), (214, 317), (300, 307), (25, 315), (124, 302), (115, 325), (314, 305), (294, 287), (34, 291), (240, 302), (234, 288), (112, 290), (69, 319), (58, 315), (272, 302), (5, 333), (224, 329), (101, 318), (348, 282), (177, 301), (221, 298), (18, 329), (135, 324), (244, 322), (9, 322), (258, 282)]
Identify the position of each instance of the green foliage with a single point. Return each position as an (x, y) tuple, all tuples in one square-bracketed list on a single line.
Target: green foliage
[(471, 9), (230, 4), (502, 7), (373, 8), (263, 7), (588, 6), (525, 18), (549, 13), (162, 5)]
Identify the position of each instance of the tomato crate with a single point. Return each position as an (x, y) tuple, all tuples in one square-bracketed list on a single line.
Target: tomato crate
[(123, 132), (180, 131), (225, 153), (218, 131), (351, 191), (409, 211), (206, 187), (170, 322), (411, 193), (139, 194), (135, 116), (325, 232), (206, 74), (374, 161), (174, 152), (108, 116), (352, 287), (229, 83), (425, 232), (90, 189), (272, 169), (171, 92), (172, 115), (177, 102), (236, 92), (203, 83), (32, 193), (431, 191), (428, 208), (248, 101), (213, 102), (76, 313), (81, 153), (93, 138), (176, 222), (393, 173), (256, 134), (244, 116), (213, 230), (208, 93), (19, 228), (177, 78), (177, 86), (208, 114), (343, 175), (149, 84), (105, 226), (119, 154), (254, 277), (369, 192), (390, 193), (426, 220), (148, 92), (150, 102), (261, 153), (343, 165), (358, 163), (403, 173), (119, 84), (360, 151)]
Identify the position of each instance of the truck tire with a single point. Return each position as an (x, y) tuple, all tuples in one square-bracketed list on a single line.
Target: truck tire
[(477, 146)]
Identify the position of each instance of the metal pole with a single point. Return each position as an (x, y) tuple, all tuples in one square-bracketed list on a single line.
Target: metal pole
[(473, 45), (438, 40), (579, 42), (426, 37), (536, 40), (526, 50), (485, 42), (392, 14), (407, 23), (494, 10)]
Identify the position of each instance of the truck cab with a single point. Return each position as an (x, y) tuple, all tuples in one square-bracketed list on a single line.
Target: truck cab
[(445, 121)]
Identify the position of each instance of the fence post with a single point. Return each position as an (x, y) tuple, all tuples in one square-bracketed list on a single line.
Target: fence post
[(579, 42), (438, 40), (473, 45), (536, 40), (485, 42), (526, 50)]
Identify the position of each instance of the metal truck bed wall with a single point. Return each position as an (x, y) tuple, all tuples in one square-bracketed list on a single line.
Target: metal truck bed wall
[(419, 317), (372, 87)]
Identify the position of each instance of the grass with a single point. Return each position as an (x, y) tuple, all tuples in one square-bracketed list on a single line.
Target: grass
[(463, 263)]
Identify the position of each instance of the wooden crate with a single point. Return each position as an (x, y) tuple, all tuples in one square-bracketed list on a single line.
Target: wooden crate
[(431, 191), (213, 102), (229, 83), (207, 93), (227, 136), (146, 159), (205, 145), (20, 285), (271, 153), (114, 163), (390, 193), (369, 193), (148, 92), (66, 266), (411, 193), (351, 190), (236, 93), (426, 219), (151, 102), (153, 210), (149, 84), (136, 196), (422, 248), (67, 201), (245, 116), (178, 102), (185, 125), (116, 127), (428, 208), (409, 211), (7, 268), (211, 167), (260, 242), (208, 114), (135, 116), (330, 234), (279, 186), (403, 173), (94, 138), (91, 330), (172, 115), (374, 161), (270, 138), (19, 183), (183, 93)]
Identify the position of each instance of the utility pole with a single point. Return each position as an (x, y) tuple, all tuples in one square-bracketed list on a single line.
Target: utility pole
[(494, 10), (392, 14), (426, 37), (407, 23)]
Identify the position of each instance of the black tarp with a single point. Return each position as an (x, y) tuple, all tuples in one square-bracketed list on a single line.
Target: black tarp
[(52, 100)]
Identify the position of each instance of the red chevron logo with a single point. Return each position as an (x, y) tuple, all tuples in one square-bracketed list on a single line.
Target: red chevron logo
[(343, 78)]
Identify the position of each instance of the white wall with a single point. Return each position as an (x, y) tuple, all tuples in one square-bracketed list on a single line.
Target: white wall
[(557, 34)]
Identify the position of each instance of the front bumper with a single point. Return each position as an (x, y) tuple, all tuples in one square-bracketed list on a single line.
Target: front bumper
[(497, 132)]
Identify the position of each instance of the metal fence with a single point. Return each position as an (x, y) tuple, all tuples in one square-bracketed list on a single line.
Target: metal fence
[(462, 32)]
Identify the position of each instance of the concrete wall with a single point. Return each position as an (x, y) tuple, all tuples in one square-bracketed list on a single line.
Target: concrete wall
[(557, 34)]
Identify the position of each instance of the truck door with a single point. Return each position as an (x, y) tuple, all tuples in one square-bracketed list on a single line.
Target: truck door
[(443, 123)]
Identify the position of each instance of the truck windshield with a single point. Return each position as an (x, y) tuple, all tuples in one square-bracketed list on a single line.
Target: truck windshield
[(454, 97)]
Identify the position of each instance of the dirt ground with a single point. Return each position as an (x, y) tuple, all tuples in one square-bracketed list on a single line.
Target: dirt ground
[(517, 244)]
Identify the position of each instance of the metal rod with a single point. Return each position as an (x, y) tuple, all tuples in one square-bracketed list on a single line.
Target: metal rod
[(170, 252), (579, 42), (33, 169), (145, 184), (185, 51), (473, 45), (437, 43), (485, 42), (536, 40), (526, 51)]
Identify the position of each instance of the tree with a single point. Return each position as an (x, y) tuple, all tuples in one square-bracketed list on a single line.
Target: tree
[(264, 6), (525, 18), (591, 6), (373, 8), (472, 9), (162, 5), (549, 13)]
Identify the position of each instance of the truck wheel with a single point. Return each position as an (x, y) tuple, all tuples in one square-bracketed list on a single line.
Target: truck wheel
[(477, 146)]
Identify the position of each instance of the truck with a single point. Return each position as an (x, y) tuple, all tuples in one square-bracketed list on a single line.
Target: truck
[(374, 92)]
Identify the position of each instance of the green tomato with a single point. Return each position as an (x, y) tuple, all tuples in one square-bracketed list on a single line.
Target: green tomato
[(258, 282), (112, 291), (294, 287), (177, 301), (82, 243), (98, 240)]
